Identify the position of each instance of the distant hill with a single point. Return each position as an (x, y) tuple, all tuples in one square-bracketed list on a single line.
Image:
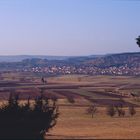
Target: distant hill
[(99, 61), (19, 58), (129, 59)]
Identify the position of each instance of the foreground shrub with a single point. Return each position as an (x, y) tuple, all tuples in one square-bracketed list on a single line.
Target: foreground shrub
[(24, 122)]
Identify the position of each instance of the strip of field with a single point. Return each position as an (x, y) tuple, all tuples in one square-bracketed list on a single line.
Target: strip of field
[(105, 102), (107, 94), (131, 86), (67, 93)]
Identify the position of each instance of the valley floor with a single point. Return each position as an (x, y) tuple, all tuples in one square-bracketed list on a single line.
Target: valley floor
[(74, 123)]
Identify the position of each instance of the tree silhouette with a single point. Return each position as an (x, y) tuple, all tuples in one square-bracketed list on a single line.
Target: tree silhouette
[(132, 110), (138, 40), (26, 122), (70, 99), (92, 109), (111, 111), (43, 80)]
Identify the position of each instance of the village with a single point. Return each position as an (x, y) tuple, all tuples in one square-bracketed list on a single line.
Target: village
[(89, 70)]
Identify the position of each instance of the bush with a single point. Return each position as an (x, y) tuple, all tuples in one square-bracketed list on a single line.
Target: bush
[(24, 122), (70, 99), (120, 111), (132, 110), (111, 111)]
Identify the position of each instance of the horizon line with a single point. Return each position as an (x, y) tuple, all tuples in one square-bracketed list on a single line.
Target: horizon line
[(65, 55)]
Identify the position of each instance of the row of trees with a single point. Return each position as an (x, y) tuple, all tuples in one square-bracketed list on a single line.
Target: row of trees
[(112, 110)]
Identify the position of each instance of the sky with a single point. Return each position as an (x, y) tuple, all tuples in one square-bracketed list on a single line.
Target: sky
[(68, 27)]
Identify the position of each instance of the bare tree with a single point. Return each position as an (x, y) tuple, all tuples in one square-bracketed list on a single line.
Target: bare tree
[(120, 111), (70, 99), (43, 80), (79, 79), (132, 110), (111, 111), (91, 110)]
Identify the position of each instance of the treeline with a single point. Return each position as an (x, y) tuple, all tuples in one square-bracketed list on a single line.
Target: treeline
[(112, 110), (120, 111)]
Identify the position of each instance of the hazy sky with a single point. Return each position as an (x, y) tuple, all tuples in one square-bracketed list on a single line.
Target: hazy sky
[(68, 27)]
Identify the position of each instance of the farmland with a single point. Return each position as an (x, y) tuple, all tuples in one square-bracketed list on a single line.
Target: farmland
[(73, 121)]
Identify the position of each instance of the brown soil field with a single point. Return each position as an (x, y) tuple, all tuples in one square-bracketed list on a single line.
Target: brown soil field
[(67, 93), (107, 94), (106, 102), (8, 84), (131, 86)]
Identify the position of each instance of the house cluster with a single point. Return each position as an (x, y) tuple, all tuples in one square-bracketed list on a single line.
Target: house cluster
[(89, 70)]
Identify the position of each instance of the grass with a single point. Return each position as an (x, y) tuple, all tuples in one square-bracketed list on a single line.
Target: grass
[(75, 123)]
